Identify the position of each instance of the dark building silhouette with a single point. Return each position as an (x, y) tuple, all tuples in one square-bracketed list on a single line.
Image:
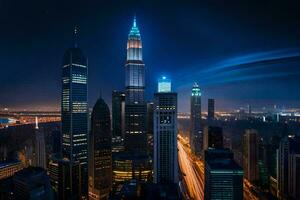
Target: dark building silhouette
[(74, 112), (213, 137), (196, 137), (118, 114), (223, 176), (211, 109), (100, 152), (135, 105), (32, 183)]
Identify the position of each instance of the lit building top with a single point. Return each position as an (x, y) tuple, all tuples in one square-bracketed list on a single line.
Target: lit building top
[(164, 84), (134, 44), (196, 90), (134, 32)]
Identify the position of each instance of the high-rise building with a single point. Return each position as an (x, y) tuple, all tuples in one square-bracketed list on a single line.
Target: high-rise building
[(100, 155), (150, 109), (135, 106), (288, 168), (213, 137), (118, 114), (211, 109), (223, 176), (40, 147), (196, 137), (9, 168), (250, 155), (165, 136), (65, 178), (32, 183), (74, 112)]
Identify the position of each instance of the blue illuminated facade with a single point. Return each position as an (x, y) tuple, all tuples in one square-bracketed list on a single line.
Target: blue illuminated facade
[(164, 84), (135, 106)]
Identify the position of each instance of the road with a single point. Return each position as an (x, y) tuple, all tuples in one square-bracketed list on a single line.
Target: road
[(192, 170)]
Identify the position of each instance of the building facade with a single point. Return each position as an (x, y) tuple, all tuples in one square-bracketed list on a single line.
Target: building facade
[(196, 137), (100, 152), (213, 137), (210, 109), (250, 155), (40, 147), (74, 112), (118, 114), (135, 105), (165, 136)]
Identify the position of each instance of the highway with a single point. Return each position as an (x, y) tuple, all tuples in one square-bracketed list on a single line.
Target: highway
[(192, 170)]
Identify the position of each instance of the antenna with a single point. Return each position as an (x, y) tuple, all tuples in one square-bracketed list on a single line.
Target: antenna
[(36, 123), (76, 33)]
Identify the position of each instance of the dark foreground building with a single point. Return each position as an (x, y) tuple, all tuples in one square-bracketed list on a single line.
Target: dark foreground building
[(100, 155)]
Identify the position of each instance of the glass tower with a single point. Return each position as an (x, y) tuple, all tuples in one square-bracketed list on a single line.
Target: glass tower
[(135, 106), (196, 138), (74, 112)]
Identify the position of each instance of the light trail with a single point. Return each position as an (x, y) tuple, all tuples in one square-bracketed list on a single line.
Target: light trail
[(191, 169)]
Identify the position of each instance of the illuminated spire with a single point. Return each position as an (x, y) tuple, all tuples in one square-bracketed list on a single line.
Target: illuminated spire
[(36, 123), (196, 90), (134, 32)]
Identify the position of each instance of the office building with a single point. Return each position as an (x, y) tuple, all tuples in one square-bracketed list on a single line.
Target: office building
[(288, 168), (223, 176), (135, 106), (32, 183), (213, 137), (165, 135), (211, 109), (74, 112), (65, 178), (196, 137), (250, 155), (40, 147), (9, 168), (100, 152), (118, 114), (150, 138)]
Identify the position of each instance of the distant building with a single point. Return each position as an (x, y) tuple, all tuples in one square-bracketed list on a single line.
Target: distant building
[(100, 152), (9, 168), (32, 183), (289, 168), (223, 177), (135, 105), (250, 155), (211, 109), (196, 136), (118, 114), (213, 137), (165, 136), (150, 124), (74, 110), (40, 147)]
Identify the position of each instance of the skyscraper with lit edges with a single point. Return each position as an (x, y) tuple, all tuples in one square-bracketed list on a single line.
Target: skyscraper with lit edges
[(196, 138), (74, 115), (135, 106), (165, 134)]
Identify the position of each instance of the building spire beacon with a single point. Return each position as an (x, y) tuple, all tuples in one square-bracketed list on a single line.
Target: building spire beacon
[(36, 123), (76, 32)]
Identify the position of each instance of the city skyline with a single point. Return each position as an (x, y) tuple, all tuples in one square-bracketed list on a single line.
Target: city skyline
[(249, 68)]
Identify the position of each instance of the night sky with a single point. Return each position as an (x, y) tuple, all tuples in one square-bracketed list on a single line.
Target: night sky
[(239, 53)]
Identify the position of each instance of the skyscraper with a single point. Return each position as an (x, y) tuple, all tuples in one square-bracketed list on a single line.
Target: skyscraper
[(74, 112), (288, 167), (196, 138), (213, 137), (211, 109), (250, 155), (100, 155), (40, 147), (118, 114), (223, 176), (165, 136), (135, 106)]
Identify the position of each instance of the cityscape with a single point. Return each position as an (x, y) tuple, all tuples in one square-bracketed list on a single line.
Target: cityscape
[(128, 100)]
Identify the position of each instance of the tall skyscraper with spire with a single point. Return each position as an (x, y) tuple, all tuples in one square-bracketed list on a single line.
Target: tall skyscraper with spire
[(196, 136), (40, 147), (74, 112), (135, 106)]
